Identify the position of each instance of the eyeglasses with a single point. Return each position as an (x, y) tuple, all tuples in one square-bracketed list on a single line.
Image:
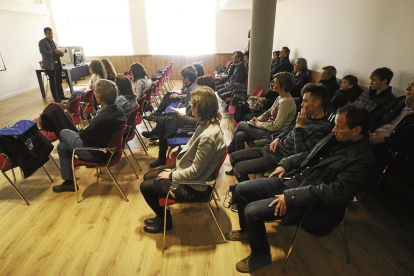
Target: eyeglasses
[(410, 84)]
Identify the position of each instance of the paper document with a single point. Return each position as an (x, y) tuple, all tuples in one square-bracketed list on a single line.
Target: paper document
[(181, 110)]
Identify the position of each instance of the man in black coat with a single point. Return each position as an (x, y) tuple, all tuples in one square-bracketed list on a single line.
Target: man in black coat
[(109, 120), (328, 177), (236, 80), (328, 79), (284, 64)]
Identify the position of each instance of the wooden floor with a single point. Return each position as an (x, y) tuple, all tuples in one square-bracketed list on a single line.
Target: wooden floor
[(103, 235)]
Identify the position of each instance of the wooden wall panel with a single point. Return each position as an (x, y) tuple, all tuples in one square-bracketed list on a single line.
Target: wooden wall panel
[(152, 62)]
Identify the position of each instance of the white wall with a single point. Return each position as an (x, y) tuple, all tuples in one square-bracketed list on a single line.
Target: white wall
[(355, 36), (22, 24)]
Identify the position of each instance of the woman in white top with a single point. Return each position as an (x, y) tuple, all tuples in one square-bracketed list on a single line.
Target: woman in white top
[(141, 81)]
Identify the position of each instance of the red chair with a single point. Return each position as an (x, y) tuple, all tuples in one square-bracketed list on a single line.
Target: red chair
[(51, 137), (75, 111), (165, 202), (130, 126), (6, 165), (143, 103), (88, 105), (115, 148), (138, 120)]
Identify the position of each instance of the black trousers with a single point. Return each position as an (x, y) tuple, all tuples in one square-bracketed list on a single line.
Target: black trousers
[(55, 81)]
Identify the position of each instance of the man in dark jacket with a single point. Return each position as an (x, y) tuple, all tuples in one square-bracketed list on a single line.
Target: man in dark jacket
[(109, 120), (328, 176), (284, 64), (237, 79), (397, 129), (328, 79), (379, 98)]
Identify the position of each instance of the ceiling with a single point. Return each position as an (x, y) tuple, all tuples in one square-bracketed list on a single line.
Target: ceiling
[(236, 4)]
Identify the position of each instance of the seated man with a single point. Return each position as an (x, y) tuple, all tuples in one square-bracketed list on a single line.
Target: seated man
[(328, 78), (311, 126), (284, 64), (328, 176), (109, 120), (188, 76), (225, 75), (237, 79), (379, 97), (397, 129)]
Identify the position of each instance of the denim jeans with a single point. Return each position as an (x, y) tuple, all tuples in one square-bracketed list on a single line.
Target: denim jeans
[(245, 133), (253, 198), (254, 160)]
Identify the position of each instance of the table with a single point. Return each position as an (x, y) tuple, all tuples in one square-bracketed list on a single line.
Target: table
[(72, 72)]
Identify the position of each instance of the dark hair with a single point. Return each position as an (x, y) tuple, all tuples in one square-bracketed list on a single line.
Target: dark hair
[(356, 115), (200, 69), (331, 70), (125, 86), (276, 52), (239, 54), (97, 67), (190, 72), (287, 50), (47, 29), (138, 71), (206, 81), (383, 73), (286, 81), (110, 70), (107, 91), (318, 91), (351, 80)]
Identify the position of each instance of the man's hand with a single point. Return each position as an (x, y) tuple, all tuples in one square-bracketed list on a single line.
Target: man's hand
[(281, 205), (226, 84), (274, 144), (253, 121), (377, 139), (180, 115), (301, 119), (278, 171), (163, 175), (173, 152), (173, 96)]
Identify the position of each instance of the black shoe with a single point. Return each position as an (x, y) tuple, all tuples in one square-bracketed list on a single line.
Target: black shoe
[(151, 221), (57, 100), (250, 263), (65, 187), (158, 227), (230, 172), (64, 98), (150, 135), (152, 118), (157, 163)]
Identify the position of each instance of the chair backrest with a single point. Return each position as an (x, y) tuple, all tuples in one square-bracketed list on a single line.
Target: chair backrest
[(88, 98), (5, 163), (258, 92), (141, 103), (131, 123), (74, 106), (216, 172), (116, 141)]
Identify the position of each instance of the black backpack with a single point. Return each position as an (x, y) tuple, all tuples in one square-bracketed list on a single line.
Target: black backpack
[(242, 109)]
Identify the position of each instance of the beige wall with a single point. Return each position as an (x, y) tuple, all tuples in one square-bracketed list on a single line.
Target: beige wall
[(356, 36)]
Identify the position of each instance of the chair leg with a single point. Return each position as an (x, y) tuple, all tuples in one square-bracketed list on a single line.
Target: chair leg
[(117, 184), (130, 164), (51, 180), (141, 141), (54, 161), (215, 219), (74, 178), (215, 200), (165, 220), (216, 193), (348, 259), (14, 187), (291, 248), (133, 156)]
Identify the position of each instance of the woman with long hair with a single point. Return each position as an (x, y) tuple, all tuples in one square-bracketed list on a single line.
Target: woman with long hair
[(196, 161), (126, 98), (141, 81), (110, 70)]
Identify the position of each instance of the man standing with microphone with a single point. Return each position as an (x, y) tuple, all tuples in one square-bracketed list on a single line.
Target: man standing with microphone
[(52, 65)]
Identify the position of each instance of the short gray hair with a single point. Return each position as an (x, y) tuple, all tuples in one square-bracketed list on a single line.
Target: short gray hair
[(107, 91)]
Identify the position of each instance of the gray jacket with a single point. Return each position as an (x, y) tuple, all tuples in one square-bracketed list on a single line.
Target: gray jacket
[(48, 55)]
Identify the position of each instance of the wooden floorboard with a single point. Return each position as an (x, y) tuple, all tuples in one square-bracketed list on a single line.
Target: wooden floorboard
[(103, 235)]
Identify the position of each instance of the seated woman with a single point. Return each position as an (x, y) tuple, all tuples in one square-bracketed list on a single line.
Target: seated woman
[(141, 81), (301, 75), (277, 119), (126, 98), (197, 160), (348, 92), (98, 72), (110, 70)]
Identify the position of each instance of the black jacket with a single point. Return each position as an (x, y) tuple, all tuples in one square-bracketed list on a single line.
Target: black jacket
[(239, 74), (55, 117), (331, 182), (284, 66), (332, 85), (343, 97), (299, 82)]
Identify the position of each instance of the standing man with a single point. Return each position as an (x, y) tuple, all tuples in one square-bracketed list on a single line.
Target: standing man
[(51, 63)]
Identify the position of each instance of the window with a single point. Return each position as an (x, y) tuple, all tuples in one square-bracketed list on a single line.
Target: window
[(181, 27), (102, 27)]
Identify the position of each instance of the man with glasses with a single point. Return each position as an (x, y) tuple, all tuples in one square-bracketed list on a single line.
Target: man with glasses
[(239, 76)]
